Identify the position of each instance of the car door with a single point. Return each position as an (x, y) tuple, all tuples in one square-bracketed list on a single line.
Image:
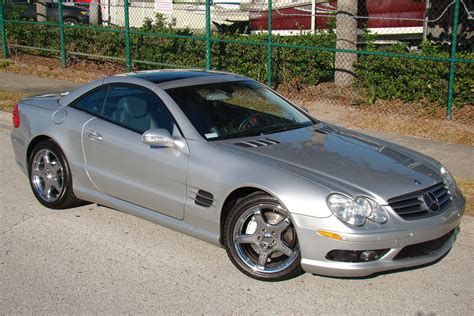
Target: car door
[(120, 165)]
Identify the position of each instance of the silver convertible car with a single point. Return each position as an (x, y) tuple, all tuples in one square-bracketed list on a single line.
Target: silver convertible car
[(225, 159)]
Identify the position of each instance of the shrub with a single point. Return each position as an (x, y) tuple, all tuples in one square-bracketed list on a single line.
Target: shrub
[(383, 77), (412, 79)]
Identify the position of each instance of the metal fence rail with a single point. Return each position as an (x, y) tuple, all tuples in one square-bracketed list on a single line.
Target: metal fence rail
[(268, 29)]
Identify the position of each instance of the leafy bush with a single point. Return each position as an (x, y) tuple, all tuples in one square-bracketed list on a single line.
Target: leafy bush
[(412, 79), (151, 47), (382, 77)]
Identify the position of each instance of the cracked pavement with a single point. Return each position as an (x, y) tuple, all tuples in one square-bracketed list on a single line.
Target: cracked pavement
[(93, 259)]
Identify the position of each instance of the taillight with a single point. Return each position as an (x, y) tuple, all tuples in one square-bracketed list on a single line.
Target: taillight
[(16, 117)]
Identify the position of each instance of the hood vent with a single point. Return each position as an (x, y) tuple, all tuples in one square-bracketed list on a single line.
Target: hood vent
[(324, 130), (203, 198), (258, 142)]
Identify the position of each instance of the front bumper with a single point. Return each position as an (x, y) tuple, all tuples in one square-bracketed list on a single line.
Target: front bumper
[(315, 247)]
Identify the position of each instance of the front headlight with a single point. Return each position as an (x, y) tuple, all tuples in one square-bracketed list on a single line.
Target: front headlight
[(356, 212), (448, 178)]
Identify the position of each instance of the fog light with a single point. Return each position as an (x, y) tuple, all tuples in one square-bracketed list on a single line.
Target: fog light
[(368, 255), (356, 255)]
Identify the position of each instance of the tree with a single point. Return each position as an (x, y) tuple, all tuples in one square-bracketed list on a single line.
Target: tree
[(346, 32), (41, 11), (94, 12)]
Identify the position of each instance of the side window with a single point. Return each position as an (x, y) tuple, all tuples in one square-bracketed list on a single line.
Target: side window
[(137, 109), (92, 102)]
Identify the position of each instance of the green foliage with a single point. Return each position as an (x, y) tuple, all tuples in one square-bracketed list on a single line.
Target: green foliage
[(4, 63), (289, 65), (412, 79), (155, 45), (150, 43)]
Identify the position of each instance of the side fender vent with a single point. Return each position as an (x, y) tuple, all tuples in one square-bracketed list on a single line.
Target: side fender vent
[(203, 198), (258, 142)]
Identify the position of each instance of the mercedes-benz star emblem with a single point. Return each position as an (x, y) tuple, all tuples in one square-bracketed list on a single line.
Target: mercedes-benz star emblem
[(431, 201)]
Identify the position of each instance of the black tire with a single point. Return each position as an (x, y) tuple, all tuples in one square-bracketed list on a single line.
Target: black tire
[(234, 222), (64, 198), (70, 21)]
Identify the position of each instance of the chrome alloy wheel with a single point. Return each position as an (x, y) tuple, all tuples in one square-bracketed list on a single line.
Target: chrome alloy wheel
[(265, 239), (47, 175)]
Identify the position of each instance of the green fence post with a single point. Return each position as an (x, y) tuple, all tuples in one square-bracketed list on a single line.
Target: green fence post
[(4, 34), (208, 34), (61, 33), (452, 58), (269, 44), (128, 56)]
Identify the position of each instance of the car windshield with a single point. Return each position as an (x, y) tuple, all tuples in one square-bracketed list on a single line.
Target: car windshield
[(236, 109)]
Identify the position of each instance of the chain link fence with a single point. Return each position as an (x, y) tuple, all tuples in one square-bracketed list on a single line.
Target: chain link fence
[(391, 49)]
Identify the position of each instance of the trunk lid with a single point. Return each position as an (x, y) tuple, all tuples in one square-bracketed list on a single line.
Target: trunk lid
[(47, 101)]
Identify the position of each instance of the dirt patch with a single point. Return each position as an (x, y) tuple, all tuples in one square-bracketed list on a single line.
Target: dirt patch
[(80, 70), (8, 99), (348, 108), (325, 101), (467, 189)]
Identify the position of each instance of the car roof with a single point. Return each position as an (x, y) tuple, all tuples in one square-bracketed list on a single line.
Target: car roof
[(168, 78), (165, 79)]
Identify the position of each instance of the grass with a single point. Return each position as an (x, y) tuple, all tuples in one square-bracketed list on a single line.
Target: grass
[(8, 99), (467, 189), (4, 63)]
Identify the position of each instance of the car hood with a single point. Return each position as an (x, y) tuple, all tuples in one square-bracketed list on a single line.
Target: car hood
[(343, 160)]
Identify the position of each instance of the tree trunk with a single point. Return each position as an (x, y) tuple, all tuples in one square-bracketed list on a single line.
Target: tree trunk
[(346, 32), (41, 11), (94, 14)]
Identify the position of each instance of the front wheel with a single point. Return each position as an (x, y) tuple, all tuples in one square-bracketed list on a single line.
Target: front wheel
[(261, 240)]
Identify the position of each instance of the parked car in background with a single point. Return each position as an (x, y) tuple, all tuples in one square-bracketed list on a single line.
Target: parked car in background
[(380, 16), (388, 19), (225, 159), (26, 10)]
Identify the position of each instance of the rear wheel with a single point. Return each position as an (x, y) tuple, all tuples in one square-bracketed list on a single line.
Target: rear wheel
[(50, 176), (70, 21), (261, 240)]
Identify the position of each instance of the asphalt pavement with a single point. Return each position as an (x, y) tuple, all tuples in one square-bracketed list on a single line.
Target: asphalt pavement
[(93, 259), (33, 85)]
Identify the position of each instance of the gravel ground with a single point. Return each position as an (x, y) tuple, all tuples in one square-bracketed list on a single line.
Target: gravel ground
[(93, 259)]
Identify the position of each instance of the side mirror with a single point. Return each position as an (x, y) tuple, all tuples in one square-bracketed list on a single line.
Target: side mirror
[(158, 137)]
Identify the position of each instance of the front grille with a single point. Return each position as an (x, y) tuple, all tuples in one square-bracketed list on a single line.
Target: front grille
[(412, 205), (424, 248)]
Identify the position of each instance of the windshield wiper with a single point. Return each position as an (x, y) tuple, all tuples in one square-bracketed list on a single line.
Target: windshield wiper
[(283, 127), (239, 134), (263, 130)]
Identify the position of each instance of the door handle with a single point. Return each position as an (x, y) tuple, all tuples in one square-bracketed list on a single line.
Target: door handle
[(94, 135)]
